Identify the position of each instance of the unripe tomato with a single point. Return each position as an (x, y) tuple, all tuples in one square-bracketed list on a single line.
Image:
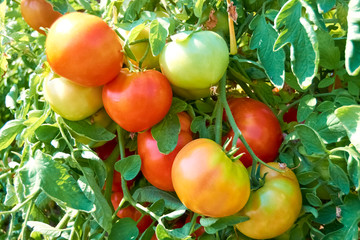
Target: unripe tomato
[(260, 128), (71, 100), (130, 212), (38, 13), (137, 100), (207, 181), (84, 49), (156, 166), (195, 63), (274, 207), (139, 49)]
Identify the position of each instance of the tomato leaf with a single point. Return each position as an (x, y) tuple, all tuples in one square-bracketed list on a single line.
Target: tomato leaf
[(297, 31), (133, 9), (352, 51), (349, 116), (61, 6), (306, 107), (42, 172), (307, 177), (212, 225), (9, 132), (129, 167), (125, 228), (263, 39), (339, 178), (353, 168), (159, 30), (327, 214), (325, 5), (45, 229), (166, 133), (329, 53), (310, 139), (313, 199), (198, 10)]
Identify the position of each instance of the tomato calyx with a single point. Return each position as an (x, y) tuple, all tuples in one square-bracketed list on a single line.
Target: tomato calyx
[(233, 150)]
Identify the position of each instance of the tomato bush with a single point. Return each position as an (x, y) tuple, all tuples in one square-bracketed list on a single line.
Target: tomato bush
[(39, 13), (84, 49), (203, 176), (129, 98)]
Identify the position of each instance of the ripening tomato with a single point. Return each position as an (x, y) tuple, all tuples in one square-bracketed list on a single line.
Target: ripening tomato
[(84, 49), (260, 128), (137, 100), (274, 207), (140, 48), (156, 166), (38, 13), (70, 100), (290, 115), (195, 63), (207, 181), (130, 212)]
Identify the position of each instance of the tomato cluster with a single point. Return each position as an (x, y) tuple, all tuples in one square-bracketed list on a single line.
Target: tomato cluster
[(88, 57)]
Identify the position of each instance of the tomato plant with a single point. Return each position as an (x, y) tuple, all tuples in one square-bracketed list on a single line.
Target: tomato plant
[(157, 166), (84, 49), (260, 128), (39, 13), (192, 72), (277, 204), (70, 100), (203, 175), (129, 98)]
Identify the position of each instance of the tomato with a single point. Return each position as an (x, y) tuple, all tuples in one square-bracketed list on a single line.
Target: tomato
[(139, 49), (70, 100), (195, 63), (38, 13), (130, 212), (156, 166), (290, 115), (260, 128), (84, 49), (218, 22), (274, 207), (207, 181), (137, 100)]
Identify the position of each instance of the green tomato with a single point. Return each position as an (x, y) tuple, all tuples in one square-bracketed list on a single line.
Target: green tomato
[(70, 100), (196, 62)]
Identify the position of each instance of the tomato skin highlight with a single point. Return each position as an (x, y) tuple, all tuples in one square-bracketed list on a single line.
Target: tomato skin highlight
[(274, 207), (260, 128), (84, 49), (156, 166), (38, 13), (196, 63), (70, 100), (207, 181), (137, 100)]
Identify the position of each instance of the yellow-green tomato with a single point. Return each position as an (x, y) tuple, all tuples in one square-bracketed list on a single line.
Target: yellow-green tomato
[(207, 181), (274, 207), (71, 100), (196, 62)]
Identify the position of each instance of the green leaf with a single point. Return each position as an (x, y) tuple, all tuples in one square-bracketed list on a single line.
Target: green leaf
[(352, 51), (88, 131), (133, 9), (152, 194), (310, 209), (349, 116), (353, 168), (45, 229), (53, 178), (313, 13), (199, 125), (307, 177), (339, 178), (162, 233), (310, 139), (177, 105), (350, 216), (159, 30), (313, 199), (47, 132), (297, 31), (61, 6), (306, 107), (198, 8), (9, 132), (158, 207), (10, 197), (329, 53), (327, 214), (325, 5), (125, 228), (213, 225), (11, 97), (129, 167), (326, 82), (166, 133), (263, 39)]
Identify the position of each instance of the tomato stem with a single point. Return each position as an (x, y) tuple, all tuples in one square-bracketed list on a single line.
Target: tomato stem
[(233, 44), (218, 121), (193, 223), (110, 162)]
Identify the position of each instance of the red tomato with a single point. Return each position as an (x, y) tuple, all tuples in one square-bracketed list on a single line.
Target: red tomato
[(38, 13), (130, 212), (260, 128), (290, 115), (137, 100), (207, 181), (156, 166), (83, 48), (274, 207)]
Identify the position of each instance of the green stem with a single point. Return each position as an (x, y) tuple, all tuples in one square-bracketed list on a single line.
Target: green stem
[(109, 163), (11, 226), (122, 202), (4, 175), (144, 56), (24, 225), (193, 223), (218, 121), (19, 206), (73, 229), (64, 221)]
